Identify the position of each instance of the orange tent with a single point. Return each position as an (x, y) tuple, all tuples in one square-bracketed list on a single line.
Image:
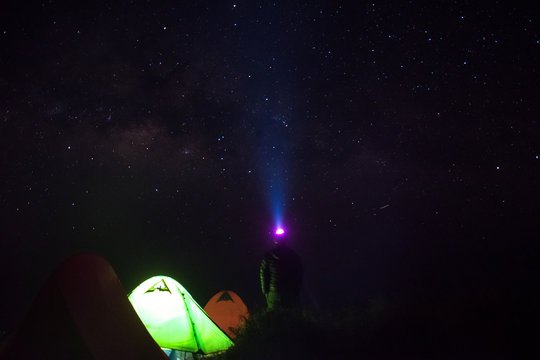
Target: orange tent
[(228, 311), (82, 312)]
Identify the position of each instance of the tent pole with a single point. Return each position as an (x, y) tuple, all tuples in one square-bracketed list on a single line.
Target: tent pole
[(193, 328)]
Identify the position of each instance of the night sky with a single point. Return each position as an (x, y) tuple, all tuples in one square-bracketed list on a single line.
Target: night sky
[(397, 141)]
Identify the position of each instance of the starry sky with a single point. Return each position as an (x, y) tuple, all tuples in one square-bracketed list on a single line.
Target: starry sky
[(397, 141)]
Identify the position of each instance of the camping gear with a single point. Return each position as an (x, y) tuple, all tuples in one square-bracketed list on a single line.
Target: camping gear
[(228, 311), (82, 312), (174, 319)]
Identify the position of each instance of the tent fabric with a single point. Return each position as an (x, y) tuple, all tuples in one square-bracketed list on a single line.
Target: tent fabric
[(174, 318), (228, 311), (82, 312)]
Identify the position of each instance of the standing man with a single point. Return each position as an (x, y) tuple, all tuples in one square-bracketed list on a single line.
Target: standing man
[(281, 275)]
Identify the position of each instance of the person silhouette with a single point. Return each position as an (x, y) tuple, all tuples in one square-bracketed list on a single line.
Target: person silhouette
[(281, 275)]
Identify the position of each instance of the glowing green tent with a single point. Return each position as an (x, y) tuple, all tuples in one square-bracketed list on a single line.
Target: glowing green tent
[(174, 319)]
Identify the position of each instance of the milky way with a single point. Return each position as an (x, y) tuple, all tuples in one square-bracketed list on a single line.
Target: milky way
[(399, 139)]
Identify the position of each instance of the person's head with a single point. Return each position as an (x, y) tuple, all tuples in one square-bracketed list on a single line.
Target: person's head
[(279, 235)]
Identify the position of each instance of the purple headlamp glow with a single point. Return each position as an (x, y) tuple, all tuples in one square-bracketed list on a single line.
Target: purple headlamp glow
[(279, 231)]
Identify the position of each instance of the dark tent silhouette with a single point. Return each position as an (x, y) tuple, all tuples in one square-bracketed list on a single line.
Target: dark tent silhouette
[(228, 311), (82, 312)]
